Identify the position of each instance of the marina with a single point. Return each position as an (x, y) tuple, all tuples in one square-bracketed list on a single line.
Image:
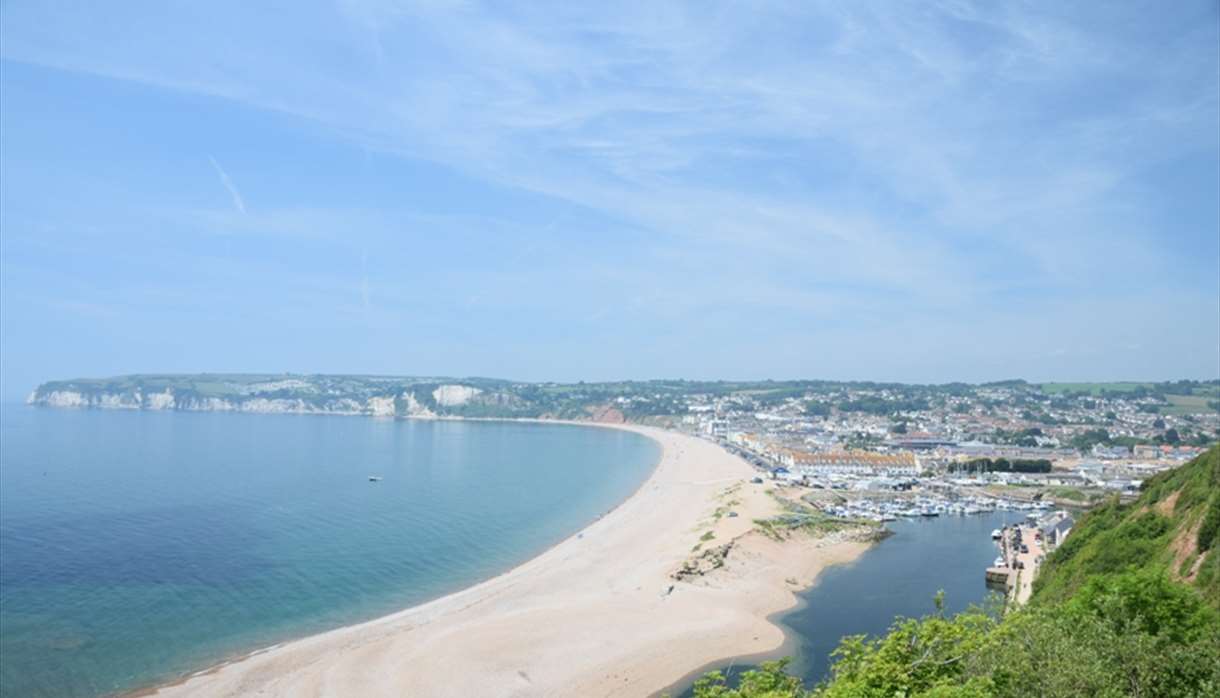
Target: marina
[(883, 506)]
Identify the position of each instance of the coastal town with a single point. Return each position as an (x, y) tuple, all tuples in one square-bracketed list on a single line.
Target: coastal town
[(1073, 446), (877, 455)]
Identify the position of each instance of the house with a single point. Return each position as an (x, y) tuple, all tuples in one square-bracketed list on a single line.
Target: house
[(851, 463), (1055, 528), (1068, 479), (1145, 451), (1109, 452)]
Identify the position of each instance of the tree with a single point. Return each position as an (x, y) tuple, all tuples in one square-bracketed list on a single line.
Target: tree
[(770, 680), (1132, 634), (1085, 441), (817, 409)]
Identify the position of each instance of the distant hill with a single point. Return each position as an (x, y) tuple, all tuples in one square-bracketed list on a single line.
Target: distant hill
[(390, 396), (1174, 526)]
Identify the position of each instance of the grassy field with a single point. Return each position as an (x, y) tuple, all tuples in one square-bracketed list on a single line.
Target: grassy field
[(1092, 388), (1187, 404), (1073, 494)]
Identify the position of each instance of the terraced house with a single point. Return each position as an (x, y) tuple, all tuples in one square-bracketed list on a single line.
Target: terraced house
[(850, 462)]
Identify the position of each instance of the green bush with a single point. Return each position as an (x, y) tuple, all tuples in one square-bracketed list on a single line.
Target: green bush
[(1211, 524), (1134, 634)]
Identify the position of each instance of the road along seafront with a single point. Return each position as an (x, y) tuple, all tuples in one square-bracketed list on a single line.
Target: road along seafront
[(676, 577)]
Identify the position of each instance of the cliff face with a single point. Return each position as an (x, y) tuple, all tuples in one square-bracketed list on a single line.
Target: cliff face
[(377, 395), (399, 404)]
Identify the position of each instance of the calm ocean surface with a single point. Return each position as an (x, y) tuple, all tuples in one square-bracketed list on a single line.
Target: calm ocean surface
[(137, 546)]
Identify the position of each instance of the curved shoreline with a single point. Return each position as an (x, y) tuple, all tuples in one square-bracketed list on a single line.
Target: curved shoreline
[(158, 688), (595, 614), (790, 646)]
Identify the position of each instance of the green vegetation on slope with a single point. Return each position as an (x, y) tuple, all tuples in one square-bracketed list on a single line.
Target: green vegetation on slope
[(1170, 528), (1136, 634), (1126, 607)]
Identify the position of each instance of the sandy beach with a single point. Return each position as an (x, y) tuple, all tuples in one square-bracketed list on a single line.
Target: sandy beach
[(600, 614)]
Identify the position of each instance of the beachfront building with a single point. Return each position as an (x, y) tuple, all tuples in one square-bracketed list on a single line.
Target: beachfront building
[(850, 463)]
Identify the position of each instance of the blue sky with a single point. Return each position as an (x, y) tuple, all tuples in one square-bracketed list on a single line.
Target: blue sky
[(891, 191)]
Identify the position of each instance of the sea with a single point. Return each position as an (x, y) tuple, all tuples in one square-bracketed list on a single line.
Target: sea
[(137, 547)]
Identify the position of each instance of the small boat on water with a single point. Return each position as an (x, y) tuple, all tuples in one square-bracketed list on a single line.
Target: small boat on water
[(929, 511), (374, 478), (997, 534)]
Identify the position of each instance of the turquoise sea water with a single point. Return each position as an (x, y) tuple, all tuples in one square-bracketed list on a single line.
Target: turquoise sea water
[(138, 546)]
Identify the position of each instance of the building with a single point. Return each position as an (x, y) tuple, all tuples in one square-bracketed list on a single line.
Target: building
[(850, 463), (923, 443), (1055, 528), (1145, 451)]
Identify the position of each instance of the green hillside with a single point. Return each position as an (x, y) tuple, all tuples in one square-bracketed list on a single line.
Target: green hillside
[(1171, 528), (1128, 606)]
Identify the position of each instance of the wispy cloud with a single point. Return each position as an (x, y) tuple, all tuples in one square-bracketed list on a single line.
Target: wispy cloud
[(825, 166), (238, 202)]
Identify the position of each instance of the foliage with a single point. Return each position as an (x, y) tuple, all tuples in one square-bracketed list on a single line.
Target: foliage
[(917, 657), (768, 681), (1105, 542), (1211, 524), (882, 406), (1072, 493), (1004, 465), (1137, 634), (1089, 438), (817, 409), (1145, 601)]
